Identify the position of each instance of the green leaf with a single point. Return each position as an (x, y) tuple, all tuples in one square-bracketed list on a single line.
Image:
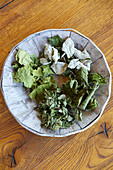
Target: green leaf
[(66, 88), (70, 87), (34, 59), (65, 103), (23, 58), (49, 79), (88, 98), (66, 124), (53, 112), (47, 71), (56, 41), (37, 72), (80, 97), (38, 93), (72, 83), (92, 104), (62, 97), (55, 127), (69, 118), (42, 55), (58, 90), (85, 59), (67, 72), (16, 65), (79, 115), (24, 75), (82, 76), (96, 77)]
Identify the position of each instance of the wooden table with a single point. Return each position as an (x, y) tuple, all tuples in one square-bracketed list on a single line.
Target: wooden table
[(86, 150)]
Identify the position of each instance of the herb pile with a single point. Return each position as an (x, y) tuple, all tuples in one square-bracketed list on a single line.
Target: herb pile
[(58, 107), (56, 111)]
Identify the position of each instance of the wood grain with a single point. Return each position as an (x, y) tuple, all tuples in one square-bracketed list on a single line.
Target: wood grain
[(84, 150)]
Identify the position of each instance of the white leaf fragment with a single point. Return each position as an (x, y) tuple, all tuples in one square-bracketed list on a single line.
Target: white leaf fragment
[(59, 67), (44, 61), (84, 56), (81, 54), (75, 63), (68, 47), (70, 50), (51, 53), (87, 63)]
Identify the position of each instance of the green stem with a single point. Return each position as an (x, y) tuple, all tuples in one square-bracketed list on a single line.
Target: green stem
[(88, 98)]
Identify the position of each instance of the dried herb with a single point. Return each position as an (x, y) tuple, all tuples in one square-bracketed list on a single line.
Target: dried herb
[(56, 41), (37, 74), (55, 111)]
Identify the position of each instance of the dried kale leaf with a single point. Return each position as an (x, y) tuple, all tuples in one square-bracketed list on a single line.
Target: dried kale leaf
[(38, 93), (16, 65), (70, 87), (34, 59), (96, 77), (56, 41), (24, 75), (79, 115), (92, 104), (23, 58)]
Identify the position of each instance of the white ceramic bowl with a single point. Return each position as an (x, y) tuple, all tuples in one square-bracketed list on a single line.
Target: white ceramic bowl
[(22, 107)]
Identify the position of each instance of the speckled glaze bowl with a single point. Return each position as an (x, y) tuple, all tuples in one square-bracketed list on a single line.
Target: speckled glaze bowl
[(22, 107)]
